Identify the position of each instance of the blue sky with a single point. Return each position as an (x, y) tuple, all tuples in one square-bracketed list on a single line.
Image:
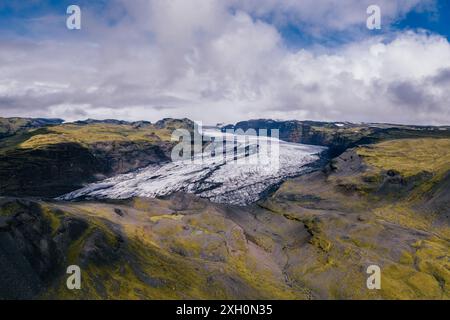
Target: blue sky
[(436, 20), (15, 20), (227, 60)]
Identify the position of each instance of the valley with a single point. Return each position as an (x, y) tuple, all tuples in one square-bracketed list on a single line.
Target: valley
[(384, 200), (241, 178)]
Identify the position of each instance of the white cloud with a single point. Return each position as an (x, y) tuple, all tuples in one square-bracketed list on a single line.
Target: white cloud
[(200, 60), (325, 15)]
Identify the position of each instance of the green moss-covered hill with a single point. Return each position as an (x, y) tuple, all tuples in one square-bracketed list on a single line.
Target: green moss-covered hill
[(313, 238), (178, 248), (385, 204), (52, 159), (12, 126), (383, 201)]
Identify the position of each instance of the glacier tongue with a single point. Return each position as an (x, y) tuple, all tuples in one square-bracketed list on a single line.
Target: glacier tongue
[(220, 181)]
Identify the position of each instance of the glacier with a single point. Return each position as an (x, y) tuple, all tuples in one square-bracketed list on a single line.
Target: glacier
[(240, 179)]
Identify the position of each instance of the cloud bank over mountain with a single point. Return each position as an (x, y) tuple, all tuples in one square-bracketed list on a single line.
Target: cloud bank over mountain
[(223, 61)]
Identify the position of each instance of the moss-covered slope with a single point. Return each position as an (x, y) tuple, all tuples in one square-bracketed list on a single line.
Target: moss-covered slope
[(384, 204), (53, 160), (179, 248)]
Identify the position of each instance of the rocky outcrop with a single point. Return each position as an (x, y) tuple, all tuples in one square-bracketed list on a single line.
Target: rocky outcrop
[(339, 136), (334, 136), (364, 209), (55, 168), (181, 247), (61, 168), (49, 171), (36, 244), (438, 199), (29, 254), (123, 156), (314, 237), (172, 124)]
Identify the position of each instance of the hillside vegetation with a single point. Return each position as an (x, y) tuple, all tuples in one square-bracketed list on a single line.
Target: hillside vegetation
[(52, 160), (179, 248), (385, 204), (384, 200), (12, 126), (409, 157), (312, 239)]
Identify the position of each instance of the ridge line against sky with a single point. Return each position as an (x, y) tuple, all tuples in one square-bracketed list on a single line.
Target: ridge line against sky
[(225, 61)]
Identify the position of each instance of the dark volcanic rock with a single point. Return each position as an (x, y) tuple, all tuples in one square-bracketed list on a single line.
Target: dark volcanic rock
[(97, 250), (54, 169), (119, 212), (348, 163), (338, 136), (61, 168), (33, 255), (171, 124), (48, 172), (328, 134), (438, 199), (124, 156), (28, 255), (70, 230)]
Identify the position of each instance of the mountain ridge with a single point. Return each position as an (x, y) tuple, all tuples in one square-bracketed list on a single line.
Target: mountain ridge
[(338, 136), (383, 201)]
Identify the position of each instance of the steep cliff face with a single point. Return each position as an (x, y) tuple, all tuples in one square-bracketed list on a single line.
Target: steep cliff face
[(61, 168), (51, 161), (339, 136), (48, 171), (384, 204)]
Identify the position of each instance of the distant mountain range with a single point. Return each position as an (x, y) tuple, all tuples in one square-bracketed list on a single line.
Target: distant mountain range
[(339, 136), (11, 126)]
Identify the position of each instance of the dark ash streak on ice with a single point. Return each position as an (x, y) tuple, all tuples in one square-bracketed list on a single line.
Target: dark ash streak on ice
[(220, 182)]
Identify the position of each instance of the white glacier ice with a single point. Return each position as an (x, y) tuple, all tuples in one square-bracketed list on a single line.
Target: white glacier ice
[(229, 181)]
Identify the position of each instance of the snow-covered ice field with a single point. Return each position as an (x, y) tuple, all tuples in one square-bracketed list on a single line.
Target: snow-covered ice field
[(220, 179)]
